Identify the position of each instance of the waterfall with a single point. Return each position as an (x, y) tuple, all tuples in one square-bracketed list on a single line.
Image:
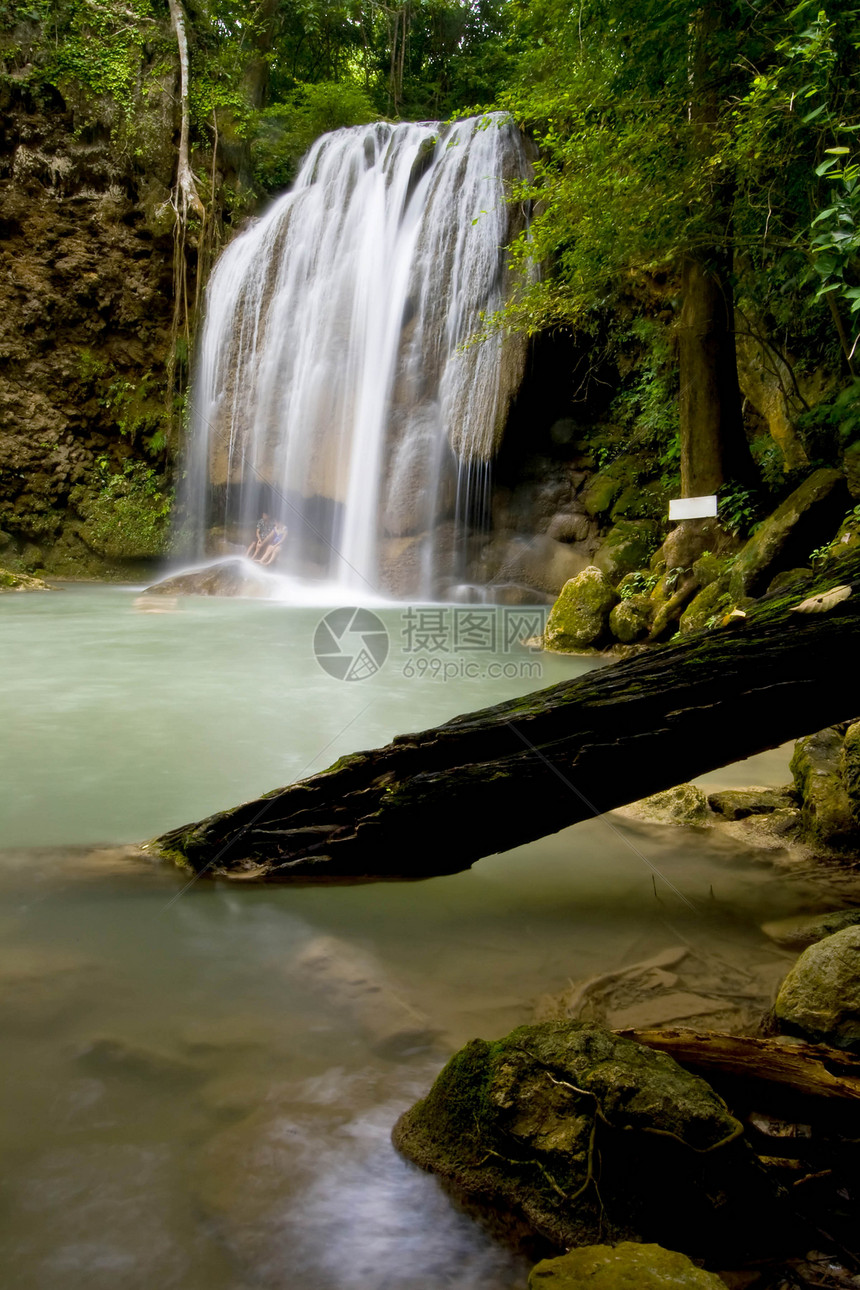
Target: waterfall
[(334, 388)]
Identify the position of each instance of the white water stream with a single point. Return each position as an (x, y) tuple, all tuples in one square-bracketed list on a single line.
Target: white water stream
[(332, 386)]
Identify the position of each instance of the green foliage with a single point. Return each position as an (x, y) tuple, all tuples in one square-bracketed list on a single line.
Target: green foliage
[(284, 132), (638, 583), (739, 509), (832, 424), (128, 517)]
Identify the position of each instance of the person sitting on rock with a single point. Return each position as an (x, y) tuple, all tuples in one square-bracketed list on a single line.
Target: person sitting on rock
[(274, 545), (265, 527)]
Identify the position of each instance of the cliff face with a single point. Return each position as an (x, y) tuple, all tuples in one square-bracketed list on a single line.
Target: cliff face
[(86, 253)]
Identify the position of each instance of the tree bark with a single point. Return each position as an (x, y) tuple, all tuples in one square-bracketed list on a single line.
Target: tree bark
[(434, 802), (187, 196), (713, 445)]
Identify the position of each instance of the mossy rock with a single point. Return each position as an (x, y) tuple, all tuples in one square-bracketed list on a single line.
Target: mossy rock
[(711, 602), (708, 568), (790, 581), (849, 769), (599, 494), (683, 804), (630, 620), (740, 803), (628, 1266), (851, 465), (627, 546), (20, 582), (578, 618), (826, 808), (804, 521), (820, 997), (517, 1127)]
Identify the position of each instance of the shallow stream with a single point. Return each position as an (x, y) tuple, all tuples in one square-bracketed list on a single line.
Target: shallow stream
[(200, 1080)]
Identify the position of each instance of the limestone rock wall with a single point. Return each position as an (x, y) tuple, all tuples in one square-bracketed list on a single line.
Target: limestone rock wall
[(85, 312)]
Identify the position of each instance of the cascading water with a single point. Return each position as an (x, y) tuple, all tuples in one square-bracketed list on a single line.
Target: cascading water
[(333, 387)]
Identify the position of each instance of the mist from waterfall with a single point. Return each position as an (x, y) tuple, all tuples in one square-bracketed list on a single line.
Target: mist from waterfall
[(333, 387)]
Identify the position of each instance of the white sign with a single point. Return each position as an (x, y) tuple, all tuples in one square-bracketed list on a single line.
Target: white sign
[(692, 508)]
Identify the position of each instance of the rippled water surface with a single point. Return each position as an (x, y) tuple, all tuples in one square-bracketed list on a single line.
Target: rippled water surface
[(201, 1081)]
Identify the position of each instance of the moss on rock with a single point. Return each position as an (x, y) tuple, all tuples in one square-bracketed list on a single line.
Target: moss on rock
[(630, 620), (578, 618), (627, 1266), (826, 808), (517, 1127), (627, 546), (820, 997)]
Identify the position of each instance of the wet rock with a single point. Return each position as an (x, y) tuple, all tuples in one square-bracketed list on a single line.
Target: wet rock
[(820, 997), (579, 616), (806, 519), (826, 808), (684, 804), (630, 620), (538, 562), (800, 931), (627, 1266), (236, 577), (737, 803), (20, 582), (518, 1126), (570, 527)]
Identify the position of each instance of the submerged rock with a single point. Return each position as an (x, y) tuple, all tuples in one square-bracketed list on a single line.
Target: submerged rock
[(236, 577), (628, 1266), (801, 930), (579, 616), (523, 1127), (820, 997)]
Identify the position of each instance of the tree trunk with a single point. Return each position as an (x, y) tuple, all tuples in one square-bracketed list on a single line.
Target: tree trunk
[(713, 445), (187, 196), (434, 802)]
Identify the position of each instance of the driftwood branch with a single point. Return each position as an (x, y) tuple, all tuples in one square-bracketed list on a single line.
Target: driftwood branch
[(434, 802)]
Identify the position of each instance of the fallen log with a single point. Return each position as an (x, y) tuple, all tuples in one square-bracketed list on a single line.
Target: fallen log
[(809, 1071), (435, 802)]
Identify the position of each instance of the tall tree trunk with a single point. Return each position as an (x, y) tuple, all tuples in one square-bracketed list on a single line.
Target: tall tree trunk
[(713, 446), (187, 196)]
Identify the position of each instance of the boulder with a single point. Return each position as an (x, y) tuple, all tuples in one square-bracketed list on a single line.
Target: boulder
[(578, 618), (851, 463), (600, 493), (627, 1266), (521, 1127), (630, 620), (236, 577), (684, 804), (627, 546), (849, 769), (738, 803), (710, 603), (798, 931), (826, 808), (820, 997), (20, 582), (805, 520)]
